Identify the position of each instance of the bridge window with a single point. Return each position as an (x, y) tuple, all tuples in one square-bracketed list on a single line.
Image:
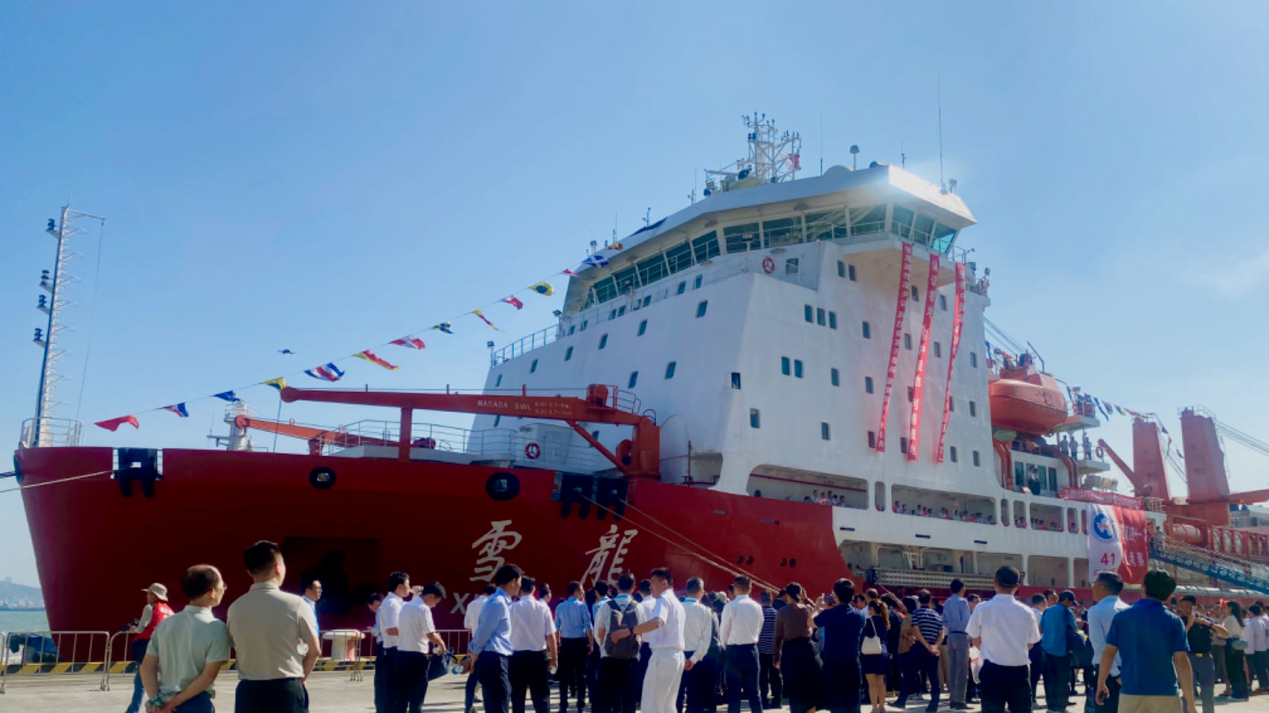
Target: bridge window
[(834, 377), (867, 331), (784, 365), (534, 366), (797, 368), (938, 351), (679, 258), (976, 459), (605, 289), (742, 238), (568, 354), (782, 231), (828, 225), (634, 379), (951, 453), (498, 381), (669, 370), (943, 302), (973, 409), (603, 341), (706, 247), (824, 431), (907, 342), (755, 418), (901, 221), (868, 384), (626, 280), (700, 309), (643, 327), (832, 320), (866, 220), (808, 313)]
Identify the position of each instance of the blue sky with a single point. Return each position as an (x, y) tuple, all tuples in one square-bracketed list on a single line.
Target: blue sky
[(328, 176)]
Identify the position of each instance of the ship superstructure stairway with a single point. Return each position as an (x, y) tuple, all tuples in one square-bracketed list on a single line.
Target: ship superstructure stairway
[(1245, 573)]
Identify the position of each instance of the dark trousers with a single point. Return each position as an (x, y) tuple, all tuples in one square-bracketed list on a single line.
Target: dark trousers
[(741, 669), (410, 668), (1001, 686), (1111, 704), (769, 679), (645, 654), (842, 685), (1259, 664), (1057, 682), (385, 661), (202, 703), (469, 696), (1204, 669), (592, 676), (909, 679), (1037, 669), (280, 695), (618, 686), (139, 647), (927, 664), (495, 684), (572, 671), (696, 688), (527, 671), (1237, 675)]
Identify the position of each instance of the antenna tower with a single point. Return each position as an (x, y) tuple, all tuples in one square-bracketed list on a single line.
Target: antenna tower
[(42, 429), (773, 156)]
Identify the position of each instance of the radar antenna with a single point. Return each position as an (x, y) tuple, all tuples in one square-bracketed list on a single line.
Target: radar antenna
[(773, 157)]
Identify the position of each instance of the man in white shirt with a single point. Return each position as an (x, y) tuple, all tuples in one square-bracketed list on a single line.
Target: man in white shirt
[(387, 686), (1256, 634), (187, 649), (663, 633), (532, 649), (1039, 602), (742, 625), (415, 635), (1004, 630), (700, 639), (471, 618), (618, 690), (1106, 589)]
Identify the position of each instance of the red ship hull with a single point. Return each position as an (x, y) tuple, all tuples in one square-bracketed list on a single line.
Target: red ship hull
[(432, 520)]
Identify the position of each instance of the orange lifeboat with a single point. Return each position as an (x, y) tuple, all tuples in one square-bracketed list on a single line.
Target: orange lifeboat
[(1026, 400)]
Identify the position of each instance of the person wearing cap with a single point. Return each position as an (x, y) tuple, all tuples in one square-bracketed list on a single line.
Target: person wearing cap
[(155, 611), (188, 649), (1055, 625), (265, 626)]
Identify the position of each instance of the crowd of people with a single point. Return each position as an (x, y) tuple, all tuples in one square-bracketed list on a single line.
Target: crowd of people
[(637, 644), (943, 513)]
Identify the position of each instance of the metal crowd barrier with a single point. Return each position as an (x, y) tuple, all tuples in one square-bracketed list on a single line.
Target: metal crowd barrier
[(57, 653)]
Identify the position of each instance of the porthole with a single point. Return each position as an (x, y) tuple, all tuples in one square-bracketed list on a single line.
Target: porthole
[(322, 478), (502, 486)]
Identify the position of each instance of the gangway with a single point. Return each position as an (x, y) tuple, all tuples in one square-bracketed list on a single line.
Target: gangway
[(1247, 574)]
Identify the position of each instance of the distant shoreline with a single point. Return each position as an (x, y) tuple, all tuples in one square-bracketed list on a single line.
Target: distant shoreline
[(3, 608)]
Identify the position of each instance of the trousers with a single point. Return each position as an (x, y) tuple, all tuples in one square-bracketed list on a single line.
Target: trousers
[(279, 695), (1204, 668), (957, 666), (842, 682), (1111, 704), (411, 674), (1037, 669), (572, 671), (527, 671), (740, 666), (202, 703), (696, 688), (1237, 674), (495, 684), (1057, 682), (385, 661), (1004, 686), (1259, 665), (769, 682), (661, 682), (928, 664), (618, 686)]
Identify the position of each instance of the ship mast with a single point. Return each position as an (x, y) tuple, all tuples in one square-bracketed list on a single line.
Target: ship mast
[(41, 431), (773, 157)]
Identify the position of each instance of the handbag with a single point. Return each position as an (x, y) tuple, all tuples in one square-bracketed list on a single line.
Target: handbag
[(1238, 644), (872, 644)]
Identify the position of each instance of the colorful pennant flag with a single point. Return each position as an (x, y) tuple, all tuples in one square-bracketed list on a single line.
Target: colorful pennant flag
[(543, 289), (113, 424), (409, 342), (329, 372), (616, 246), (484, 319), (370, 357), (178, 409), (514, 302), (278, 383), (570, 273), (445, 327), (229, 396), (596, 261)]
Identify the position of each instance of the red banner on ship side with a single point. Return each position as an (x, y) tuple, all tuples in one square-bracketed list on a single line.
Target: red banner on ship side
[(918, 383), (957, 318), (905, 272), (1117, 542)]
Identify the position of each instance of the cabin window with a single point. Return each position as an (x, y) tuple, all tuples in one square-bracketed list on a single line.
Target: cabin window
[(497, 420), (868, 384), (647, 300), (595, 435), (643, 327), (652, 269), (901, 221), (951, 453), (669, 370), (867, 331), (909, 394), (735, 380), (976, 460), (679, 258), (791, 266), (820, 316), (755, 418), (621, 310), (634, 379), (973, 409), (626, 280), (872, 439), (808, 313), (568, 354), (866, 220), (797, 368), (951, 404), (706, 247), (700, 309), (943, 237), (841, 269), (922, 228), (824, 431), (782, 231), (682, 288), (943, 302), (826, 226), (903, 444), (851, 269), (534, 366), (696, 284), (834, 377), (571, 329), (916, 294), (832, 320), (784, 366), (612, 314), (907, 342), (973, 359), (938, 351), (498, 381), (584, 322), (603, 341), (742, 238)]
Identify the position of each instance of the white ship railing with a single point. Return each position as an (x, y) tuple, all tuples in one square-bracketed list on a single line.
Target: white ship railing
[(56, 432)]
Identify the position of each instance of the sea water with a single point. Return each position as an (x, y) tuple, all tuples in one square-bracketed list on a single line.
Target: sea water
[(23, 621)]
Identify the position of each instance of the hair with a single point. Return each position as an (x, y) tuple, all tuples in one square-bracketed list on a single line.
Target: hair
[(923, 596), (506, 574), (909, 604), (957, 586), (626, 582), (490, 589), (858, 598), (973, 598), (544, 591), (794, 590), (871, 593), (396, 579), (375, 598), (601, 588), (261, 556), (765, 598), (1066, 595), (592, 597), (663, 573), (1111, 581), (892, 601), (742, 582), (436, 589), (310, 581), (1049, 592), (879, 607), (528, 584), (1159, 585), (1254, 610), (1037, 599), (844, 589), (694, 585), (1190, 598), (199, 580), (1236, 611)]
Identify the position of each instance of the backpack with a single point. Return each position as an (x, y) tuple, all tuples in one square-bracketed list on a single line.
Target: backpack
[(628, 618)]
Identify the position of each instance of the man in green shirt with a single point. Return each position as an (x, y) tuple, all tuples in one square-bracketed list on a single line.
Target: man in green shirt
[(187, 649)]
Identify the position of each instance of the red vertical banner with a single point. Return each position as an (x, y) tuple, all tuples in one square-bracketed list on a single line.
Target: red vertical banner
[(958, 317), (1136, 544), (918, 383), (905, 272)]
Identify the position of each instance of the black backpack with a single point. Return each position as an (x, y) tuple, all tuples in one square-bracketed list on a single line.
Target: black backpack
[(628, 618)]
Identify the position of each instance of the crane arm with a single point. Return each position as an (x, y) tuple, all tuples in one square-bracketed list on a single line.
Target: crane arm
[(1140, 487), (316, 437)]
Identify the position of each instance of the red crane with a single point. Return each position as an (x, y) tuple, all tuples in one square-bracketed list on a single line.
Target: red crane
[(638, 456), (316, 437)]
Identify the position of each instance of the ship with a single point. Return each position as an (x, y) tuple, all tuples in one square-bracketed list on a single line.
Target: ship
[(788, 378)]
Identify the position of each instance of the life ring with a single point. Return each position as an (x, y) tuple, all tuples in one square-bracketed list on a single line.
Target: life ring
[(533, 451), (1101, 453), (768, 265)]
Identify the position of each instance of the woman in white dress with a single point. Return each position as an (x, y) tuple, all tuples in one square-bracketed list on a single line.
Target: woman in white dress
[(1234, 652)]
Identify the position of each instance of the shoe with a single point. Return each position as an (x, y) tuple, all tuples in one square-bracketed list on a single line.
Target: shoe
[(901, 702)]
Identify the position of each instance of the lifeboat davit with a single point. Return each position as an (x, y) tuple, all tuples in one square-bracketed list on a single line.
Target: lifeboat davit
[(1026, 400)]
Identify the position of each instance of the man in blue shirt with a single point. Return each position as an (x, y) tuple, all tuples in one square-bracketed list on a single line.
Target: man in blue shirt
[(843, 627), (1106, 589), (1155, 653), (955, 619), (1055, 623), (577, 640), (491, 644)]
